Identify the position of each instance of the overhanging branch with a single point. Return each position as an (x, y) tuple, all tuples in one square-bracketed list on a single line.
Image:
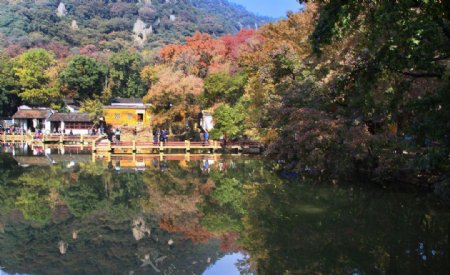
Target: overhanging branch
[(421, 74)]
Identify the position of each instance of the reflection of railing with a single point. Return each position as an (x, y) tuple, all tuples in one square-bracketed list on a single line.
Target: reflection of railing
[(139, 147), (147, 157), (72, 137), (14, 138), (241, 143), (122, 143), (53, 137)]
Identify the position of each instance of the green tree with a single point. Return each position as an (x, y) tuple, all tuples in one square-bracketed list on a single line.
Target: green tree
[(224, 87), (225, 208), (8, 87), (125, 75), (94, 108), (32, 69), (38, 193), (229, 121), (42, 96), (83, 76)]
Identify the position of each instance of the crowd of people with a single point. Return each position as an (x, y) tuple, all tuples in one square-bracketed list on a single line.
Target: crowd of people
[(162, 136), (12, 130)]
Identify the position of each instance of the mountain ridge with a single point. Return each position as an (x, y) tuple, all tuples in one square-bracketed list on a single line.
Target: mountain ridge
[(113, 25)]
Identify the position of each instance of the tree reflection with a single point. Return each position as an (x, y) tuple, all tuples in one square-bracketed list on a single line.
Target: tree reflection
[(306, 229), (175, 193), (177, 218), (89, 219)]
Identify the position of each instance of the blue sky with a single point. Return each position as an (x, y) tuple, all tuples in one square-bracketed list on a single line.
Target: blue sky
[(273, 8)]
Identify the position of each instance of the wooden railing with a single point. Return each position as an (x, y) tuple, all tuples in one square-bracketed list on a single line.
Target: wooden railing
[(49, 138)]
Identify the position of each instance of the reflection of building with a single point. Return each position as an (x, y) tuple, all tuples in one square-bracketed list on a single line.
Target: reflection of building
[(31, 118), (49, 159), (127, 111), (79, 123), (70, 158), (135, 162), (26, 161)]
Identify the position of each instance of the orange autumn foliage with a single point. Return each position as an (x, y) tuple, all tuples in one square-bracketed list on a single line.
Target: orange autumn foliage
[(201, 53)]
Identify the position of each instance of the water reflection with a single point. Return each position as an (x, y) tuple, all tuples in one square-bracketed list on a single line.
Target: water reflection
[(230, 264), (81, 213)]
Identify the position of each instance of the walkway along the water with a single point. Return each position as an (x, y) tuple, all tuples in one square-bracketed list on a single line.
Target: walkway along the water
[(99, 143)]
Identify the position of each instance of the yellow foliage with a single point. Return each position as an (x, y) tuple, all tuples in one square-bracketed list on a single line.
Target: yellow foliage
[(149, 74), (173, 96)]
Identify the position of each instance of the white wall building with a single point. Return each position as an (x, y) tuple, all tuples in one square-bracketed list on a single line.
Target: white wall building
[(78, 123), (30, 119)]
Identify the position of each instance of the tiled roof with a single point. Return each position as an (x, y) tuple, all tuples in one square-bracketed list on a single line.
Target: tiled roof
[(32, 113), (70, 117), (127, 100), (142, 107), (69, 101)]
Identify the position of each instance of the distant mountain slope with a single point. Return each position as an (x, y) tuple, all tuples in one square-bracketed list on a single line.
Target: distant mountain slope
[(117, 24), (234, 16)]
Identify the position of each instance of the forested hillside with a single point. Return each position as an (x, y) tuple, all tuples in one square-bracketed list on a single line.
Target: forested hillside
[(343, 89), (114, 25)]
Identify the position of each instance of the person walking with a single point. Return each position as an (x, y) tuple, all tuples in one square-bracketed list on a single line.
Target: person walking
[(161, 136), (117, 134), (110, 134), (164, 135), (206, 137), (156, 136)]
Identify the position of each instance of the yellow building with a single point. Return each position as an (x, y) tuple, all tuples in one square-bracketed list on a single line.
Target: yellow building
[(127, 112)]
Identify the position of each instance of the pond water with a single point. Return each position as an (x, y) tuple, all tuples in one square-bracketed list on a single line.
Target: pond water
[(79, 213)]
